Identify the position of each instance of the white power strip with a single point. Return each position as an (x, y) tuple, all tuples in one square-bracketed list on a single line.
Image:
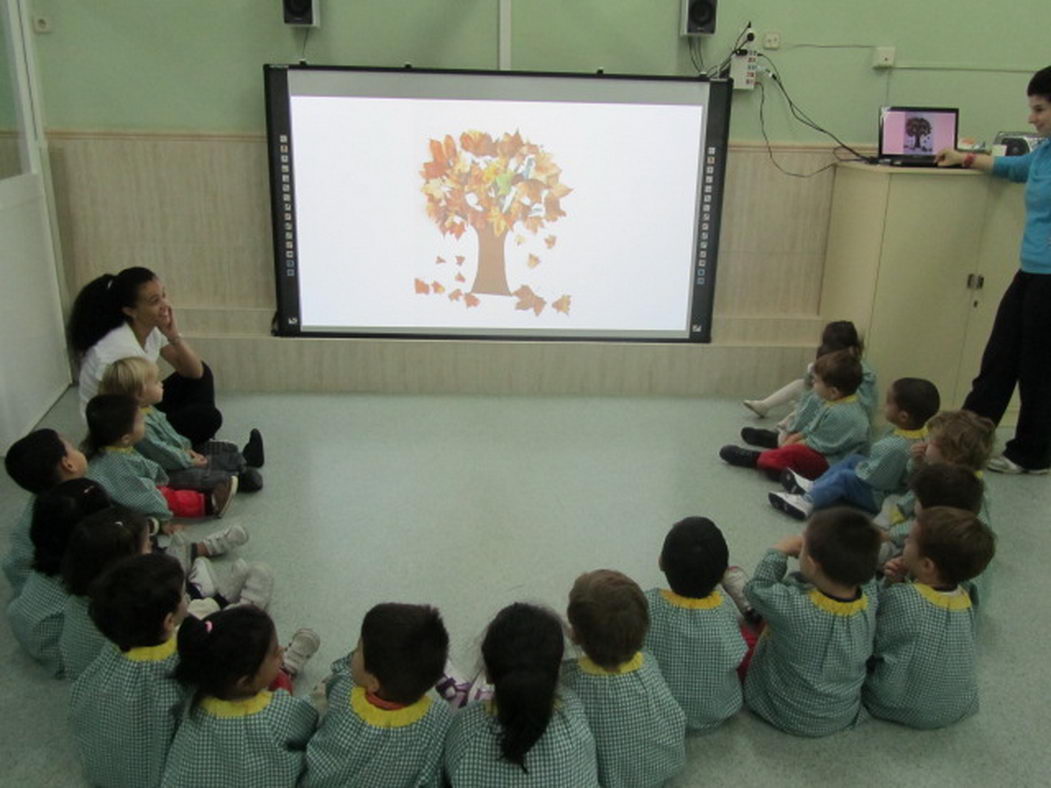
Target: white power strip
[(743, 70)]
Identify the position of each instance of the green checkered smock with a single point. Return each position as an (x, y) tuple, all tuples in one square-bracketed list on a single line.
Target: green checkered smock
[(124, 710), (255, 743), (35, 616), (81, 640), (131, 480), (358, 743), (885, 470), (925, 661), (162, 443), (809, 664), (19, 559), (639, 728), (809, 404), (840, 428), (698, 645), (868, 393), (564, 757)]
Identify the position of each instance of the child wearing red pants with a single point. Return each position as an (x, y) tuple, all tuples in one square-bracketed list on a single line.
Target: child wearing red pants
[(838, 429)]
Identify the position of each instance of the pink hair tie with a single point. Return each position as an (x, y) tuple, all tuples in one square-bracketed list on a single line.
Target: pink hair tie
[(208, 627)]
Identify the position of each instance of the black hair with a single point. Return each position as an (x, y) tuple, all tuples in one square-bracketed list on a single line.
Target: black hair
[(945, 484), (1040, 84), (694, 557), (522, 650), (840, 369), (917, 397), (216, 653), (405, 648), (106, 536), (32, 461), (56, 513), (841, 335), (133, 596), (98, 308), (110, 417), (958, 543), (845, 543)]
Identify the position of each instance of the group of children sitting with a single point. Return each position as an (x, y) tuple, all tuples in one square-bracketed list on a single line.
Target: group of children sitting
[(179, 678)]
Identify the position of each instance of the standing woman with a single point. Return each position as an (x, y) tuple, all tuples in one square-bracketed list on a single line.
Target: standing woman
[(129, 314), (1019, 348)]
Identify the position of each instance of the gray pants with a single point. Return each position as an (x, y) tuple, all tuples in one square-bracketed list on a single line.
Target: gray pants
[(224, 461)]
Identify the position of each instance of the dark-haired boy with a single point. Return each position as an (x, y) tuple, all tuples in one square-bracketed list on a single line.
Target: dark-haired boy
[(809, 664), (381, 728), (639, 729), (866, 481), (693, 634), (924, 670), (37, 462)]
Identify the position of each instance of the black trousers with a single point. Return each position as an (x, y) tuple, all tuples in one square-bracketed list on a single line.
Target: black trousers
[(1019, 352), (189, 404)]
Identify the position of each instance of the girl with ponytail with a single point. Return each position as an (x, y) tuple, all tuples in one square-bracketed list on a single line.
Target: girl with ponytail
[(533, 732)]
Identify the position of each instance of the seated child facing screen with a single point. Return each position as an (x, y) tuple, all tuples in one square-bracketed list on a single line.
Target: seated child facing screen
[(924, 667), (809, 663), (639, 728), (693, 634), (381, 728)]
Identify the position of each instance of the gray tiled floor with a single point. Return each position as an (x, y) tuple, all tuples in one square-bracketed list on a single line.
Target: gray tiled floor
[(472, 502)]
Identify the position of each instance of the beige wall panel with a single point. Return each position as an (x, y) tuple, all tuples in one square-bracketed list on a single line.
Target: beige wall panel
[(768, 283)]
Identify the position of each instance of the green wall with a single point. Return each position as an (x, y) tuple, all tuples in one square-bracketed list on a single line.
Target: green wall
[(195, 65)]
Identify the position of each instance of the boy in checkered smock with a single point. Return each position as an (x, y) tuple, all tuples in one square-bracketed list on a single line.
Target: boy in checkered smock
[(694, 635), (924, 668), (863, 481), (639, 728), (125, 706), (532, 734), (237, 732), (809, 663), (36, 463), (381, 728)]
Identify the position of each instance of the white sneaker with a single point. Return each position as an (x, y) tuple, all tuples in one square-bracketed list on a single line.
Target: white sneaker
[(794, 505), (202, 608), (258, 587), (733, 583), (230, 584), (201, 577), (222, 495), (226, 540), (303, 646), (1003, 465), (795, 483), (756, 406)]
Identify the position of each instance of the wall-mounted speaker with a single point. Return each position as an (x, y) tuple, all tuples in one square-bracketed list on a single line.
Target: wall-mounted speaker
[(302, 13), (698, 17)]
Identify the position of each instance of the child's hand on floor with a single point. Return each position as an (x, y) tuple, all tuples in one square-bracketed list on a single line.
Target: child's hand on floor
[(790, 545)]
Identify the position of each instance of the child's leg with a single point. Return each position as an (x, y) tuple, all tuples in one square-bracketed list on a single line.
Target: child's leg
[(184, 503), (751, 638), (782, 396), (842, 485), (200, 479), (797, 456), (223, 456)]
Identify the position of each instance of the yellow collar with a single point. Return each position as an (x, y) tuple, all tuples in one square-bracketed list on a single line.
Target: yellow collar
[(146, 409), (979, 474), (151, 653), (834, 606), (229, 709), (387, 718), (844, 400), (957, 599), (713, 600), (630, 666), (118, 449), (912, 435)]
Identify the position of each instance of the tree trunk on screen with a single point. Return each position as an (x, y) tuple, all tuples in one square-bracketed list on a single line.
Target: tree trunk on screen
[(491, 277)]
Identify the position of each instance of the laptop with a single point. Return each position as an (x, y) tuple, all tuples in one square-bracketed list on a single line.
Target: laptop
[(911, 136)]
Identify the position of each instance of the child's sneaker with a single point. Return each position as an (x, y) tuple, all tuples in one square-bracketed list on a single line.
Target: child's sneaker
[(733, 583), (253, 450), (226, 540), (258, 587), (742, 458), (754, 436), (222, 495), (202, 578), (794, 505), (756, 406), (303, 646), (202, 608), (795, 483), (229, 585)]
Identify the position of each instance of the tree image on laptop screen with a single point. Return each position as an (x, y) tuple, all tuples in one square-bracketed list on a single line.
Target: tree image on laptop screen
[(918, 135), (495, 187)]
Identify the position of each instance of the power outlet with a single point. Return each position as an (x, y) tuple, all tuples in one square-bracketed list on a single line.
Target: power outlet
[(771, 40), (743, 70), (883, 57)]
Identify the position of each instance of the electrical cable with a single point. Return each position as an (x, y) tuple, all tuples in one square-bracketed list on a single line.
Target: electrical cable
[(696, 55), (303, 47), (718, 69)]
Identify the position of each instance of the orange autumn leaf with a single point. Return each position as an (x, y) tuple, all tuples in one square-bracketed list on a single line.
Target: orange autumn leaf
[(471, 300), (519, 240), (533, 261), (422, 287), (550, 241), (562, 305), (527, 299), (455, 295), (439, 260), (460, 277), (459, 259), (437, 287)]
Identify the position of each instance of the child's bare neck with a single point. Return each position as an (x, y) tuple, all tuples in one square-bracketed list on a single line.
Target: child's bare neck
[(836, 590)]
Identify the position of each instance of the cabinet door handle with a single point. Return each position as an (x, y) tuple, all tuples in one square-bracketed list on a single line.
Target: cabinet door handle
[(981, 282), (972, 281)]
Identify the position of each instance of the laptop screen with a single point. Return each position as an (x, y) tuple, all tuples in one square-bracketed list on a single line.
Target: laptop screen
[(916, 132)]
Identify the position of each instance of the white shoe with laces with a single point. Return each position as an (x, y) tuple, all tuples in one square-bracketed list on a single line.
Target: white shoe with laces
[(1003, 465), (303, 646), (757, 407), (226, 540)]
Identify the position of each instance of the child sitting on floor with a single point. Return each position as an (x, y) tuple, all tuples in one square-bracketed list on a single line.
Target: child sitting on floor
[(838, 429), (533, 734), (36, 463), (806, 673), (381, 728), (693, 634), (865, 481), (924, 667), (237, 731), (639, 728), (187, 469)]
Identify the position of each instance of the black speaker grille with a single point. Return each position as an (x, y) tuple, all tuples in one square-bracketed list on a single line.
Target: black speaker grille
[(701, 13)]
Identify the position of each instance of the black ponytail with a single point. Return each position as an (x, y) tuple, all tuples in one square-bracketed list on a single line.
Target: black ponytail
[(98, 541), (523, 653), (216, 653), (841, 335), (98, 308)]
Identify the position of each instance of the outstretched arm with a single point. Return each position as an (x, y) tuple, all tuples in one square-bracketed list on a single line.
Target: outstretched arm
[(949, 157)]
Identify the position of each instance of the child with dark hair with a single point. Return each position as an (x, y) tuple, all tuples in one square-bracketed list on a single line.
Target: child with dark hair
[(125, 706), (639, 728), (863, 481), (924, 668), (806, 673), (837, 429), (534, 734), (37, 462), (381, 728), (97, 542), (693, 634), (940, 484), (236, 732), (36, 615)]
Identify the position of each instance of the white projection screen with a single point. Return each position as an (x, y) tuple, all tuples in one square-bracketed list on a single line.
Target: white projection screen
[(504, 205)]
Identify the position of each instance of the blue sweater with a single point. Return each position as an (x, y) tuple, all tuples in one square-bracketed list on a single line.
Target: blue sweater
[(1034, 170)]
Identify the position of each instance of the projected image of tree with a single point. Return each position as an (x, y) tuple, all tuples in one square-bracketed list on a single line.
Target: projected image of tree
[(918, 127), (494, 187)]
